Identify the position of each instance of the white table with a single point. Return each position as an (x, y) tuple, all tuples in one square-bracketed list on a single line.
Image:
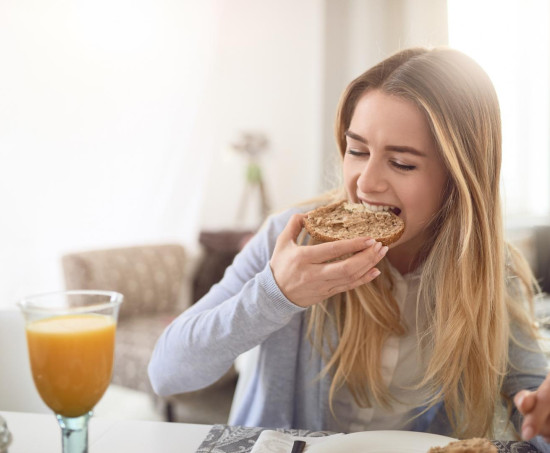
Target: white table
[(40, 433)]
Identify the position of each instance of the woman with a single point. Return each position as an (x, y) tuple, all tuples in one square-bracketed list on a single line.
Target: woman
[(427, 335)]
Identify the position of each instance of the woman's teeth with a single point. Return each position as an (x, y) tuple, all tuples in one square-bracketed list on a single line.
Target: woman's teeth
[(378, 208)]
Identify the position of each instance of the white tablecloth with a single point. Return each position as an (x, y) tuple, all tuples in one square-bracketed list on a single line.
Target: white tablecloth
[(40, 433)]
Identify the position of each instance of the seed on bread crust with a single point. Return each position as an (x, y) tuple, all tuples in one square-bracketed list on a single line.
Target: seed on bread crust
[(343, 220)]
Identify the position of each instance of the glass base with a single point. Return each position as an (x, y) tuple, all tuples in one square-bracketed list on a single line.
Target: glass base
[(74, 433)]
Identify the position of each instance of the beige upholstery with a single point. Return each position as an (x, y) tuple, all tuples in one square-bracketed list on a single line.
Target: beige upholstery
[(152, 279)]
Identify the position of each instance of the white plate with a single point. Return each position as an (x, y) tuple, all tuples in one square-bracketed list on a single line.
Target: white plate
[(381, 442)]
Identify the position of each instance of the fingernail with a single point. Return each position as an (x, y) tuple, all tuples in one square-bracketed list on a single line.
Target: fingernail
[(377, 246), (375, 273), (383, 250), (370, 242), (527, 433)]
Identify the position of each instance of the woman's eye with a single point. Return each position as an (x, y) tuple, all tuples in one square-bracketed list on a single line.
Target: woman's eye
[(354, 152), (403, 166)]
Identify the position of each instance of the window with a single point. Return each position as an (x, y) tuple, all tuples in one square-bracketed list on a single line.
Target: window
[(510, 39)]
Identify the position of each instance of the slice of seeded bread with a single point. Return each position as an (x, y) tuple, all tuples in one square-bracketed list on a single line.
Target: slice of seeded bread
[(343, 220), (474, 445)]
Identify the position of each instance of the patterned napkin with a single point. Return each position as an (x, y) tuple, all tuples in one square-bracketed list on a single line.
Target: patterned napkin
[(278, 442), (241, 439)]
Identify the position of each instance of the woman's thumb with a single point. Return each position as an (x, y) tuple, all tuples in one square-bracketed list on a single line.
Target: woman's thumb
[(293, 228)]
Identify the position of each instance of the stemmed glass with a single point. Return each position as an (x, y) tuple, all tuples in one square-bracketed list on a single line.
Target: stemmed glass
[(71, 341)]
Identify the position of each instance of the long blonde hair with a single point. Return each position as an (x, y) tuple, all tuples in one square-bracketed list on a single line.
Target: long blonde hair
[(467, 266)]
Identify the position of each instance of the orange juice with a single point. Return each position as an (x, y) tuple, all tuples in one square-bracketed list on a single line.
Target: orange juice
[(72, 360)]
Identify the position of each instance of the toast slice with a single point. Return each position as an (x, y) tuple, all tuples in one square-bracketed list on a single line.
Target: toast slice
[(474, 445), (343, 220)]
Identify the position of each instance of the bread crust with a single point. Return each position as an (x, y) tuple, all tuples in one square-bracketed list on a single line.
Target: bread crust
[(343, 220), (474, 445)]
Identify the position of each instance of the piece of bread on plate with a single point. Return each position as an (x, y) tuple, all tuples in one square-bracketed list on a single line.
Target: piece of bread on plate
[(344, 220), (474, 445)]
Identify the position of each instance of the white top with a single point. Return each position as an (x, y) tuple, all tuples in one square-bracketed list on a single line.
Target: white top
[(402, 369)]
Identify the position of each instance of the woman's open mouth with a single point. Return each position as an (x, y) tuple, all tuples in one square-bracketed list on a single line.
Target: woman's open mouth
[(381, 208)]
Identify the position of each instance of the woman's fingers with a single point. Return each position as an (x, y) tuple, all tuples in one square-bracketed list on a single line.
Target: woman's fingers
[(307, 275), (338, 287), (328, 251), (535, 406), (536, 423), (293, 228), (525, 401), (354, 267)]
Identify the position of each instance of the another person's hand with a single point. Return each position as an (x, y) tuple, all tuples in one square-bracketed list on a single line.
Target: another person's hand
[(535, 407), (307, 275)]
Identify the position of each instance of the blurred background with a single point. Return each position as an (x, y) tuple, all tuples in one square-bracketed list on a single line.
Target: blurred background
[(117, 117), (123, 123)]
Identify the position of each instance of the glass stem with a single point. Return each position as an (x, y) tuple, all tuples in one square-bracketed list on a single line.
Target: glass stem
[(74, 433)]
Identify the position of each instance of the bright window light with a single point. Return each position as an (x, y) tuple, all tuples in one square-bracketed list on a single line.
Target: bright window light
[(510, 39)]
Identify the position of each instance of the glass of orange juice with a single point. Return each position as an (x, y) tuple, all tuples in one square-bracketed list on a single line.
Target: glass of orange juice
[(71, 342)]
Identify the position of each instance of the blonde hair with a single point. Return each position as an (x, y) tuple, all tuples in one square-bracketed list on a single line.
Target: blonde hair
[(467, 267)]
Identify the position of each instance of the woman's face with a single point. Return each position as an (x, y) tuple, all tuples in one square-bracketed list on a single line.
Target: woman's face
[(392, 160)]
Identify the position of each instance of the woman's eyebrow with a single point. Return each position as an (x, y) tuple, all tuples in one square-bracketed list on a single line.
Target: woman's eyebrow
[(405, 149), (355, 136), (395, 148)]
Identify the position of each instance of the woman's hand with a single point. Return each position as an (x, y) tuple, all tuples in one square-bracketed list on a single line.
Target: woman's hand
[(306, 276), (535, 407)]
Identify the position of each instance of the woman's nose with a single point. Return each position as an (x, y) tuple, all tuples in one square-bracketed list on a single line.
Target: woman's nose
[(372, 177)]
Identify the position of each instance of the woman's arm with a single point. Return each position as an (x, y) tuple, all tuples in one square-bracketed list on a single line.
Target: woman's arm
[(238, 313)]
